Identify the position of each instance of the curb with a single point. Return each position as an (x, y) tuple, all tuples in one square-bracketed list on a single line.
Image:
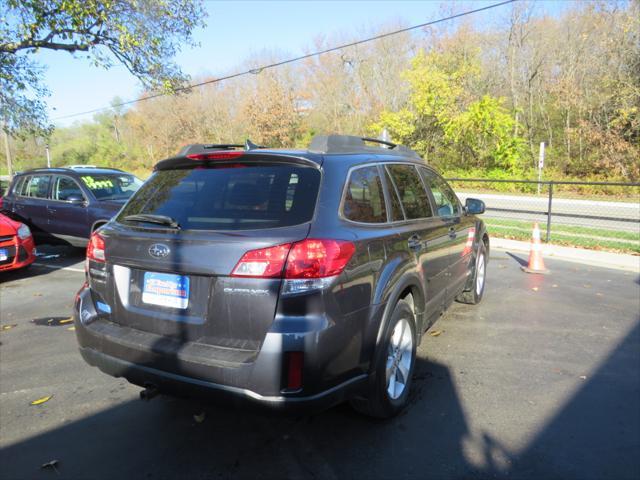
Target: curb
[(620, 261)]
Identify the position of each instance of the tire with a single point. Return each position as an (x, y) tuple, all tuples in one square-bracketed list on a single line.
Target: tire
[(474, 295), (389, 390)]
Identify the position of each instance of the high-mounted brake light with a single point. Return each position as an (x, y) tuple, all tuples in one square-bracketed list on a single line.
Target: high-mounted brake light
[(95, 248), (219, 155)]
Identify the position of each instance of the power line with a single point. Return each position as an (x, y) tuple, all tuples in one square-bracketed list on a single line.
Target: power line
[(258, 70)]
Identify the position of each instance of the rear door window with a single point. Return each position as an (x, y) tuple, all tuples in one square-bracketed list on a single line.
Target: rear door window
[(229, 197), (364, 197), (446, 201), (396, 209), (38, 186), (17, 188), (21, 188), (64, 187), (411, 190)]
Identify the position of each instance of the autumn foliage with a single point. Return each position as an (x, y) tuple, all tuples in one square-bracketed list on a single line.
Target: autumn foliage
[(467, 97)]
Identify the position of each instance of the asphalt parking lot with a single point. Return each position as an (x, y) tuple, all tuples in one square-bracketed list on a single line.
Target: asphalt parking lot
[(542, 380)]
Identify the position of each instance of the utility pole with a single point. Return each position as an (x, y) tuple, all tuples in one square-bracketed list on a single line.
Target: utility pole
[(46, 148), (7, 150)]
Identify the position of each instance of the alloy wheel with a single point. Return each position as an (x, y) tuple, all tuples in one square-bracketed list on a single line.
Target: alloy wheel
[(398, 367)]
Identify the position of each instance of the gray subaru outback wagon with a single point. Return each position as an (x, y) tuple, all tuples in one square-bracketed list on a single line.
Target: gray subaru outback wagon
[(283, 278)]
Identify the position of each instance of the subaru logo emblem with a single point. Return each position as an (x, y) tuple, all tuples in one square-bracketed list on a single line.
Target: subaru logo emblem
[(159, 250)]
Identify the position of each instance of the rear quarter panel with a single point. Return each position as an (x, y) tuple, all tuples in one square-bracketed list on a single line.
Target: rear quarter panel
[(374, 278)]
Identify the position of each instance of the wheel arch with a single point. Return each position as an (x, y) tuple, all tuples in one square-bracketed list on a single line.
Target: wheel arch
[(409, 288), (483, 236)]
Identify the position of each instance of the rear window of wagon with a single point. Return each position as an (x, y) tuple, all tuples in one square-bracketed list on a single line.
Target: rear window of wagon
[(229, 197)]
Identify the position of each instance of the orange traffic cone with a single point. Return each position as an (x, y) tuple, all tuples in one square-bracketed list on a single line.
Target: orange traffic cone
[(536, 264)]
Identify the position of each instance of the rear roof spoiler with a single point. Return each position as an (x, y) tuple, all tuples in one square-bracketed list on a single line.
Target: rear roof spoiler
[(321, 144), (199, 148), (237, 156)]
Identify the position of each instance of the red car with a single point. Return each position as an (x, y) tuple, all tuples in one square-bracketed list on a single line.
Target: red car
[(17, 248)]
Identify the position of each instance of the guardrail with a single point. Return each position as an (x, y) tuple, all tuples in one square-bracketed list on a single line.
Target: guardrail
[(566, 212)]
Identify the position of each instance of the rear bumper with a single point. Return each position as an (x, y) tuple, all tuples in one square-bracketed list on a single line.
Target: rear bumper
[(181, 385), (192, 369)]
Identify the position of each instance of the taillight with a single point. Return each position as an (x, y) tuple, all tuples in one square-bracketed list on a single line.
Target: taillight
[(262, 263), (313, 258), (95, 248), (220, 155), (1, 202), (308, 259)]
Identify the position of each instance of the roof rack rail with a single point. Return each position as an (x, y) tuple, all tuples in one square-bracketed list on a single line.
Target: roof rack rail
[(381, 142), (203, 147), (353, 144), (74, 167)]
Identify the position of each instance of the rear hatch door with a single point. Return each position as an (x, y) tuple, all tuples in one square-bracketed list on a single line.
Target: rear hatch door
[(176, 281)]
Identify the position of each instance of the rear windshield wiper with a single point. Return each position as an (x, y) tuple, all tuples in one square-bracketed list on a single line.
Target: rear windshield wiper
[(148, 218)]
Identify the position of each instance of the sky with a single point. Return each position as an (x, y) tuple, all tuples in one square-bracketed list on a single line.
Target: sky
[(237, 30)]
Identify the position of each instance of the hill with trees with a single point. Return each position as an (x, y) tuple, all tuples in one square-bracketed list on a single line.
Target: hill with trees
[(473, 100)]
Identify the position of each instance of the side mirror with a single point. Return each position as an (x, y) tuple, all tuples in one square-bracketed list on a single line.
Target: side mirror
[(75, 199), (473, 206)]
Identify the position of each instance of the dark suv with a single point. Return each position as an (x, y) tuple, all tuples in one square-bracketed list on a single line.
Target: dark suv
[(67, 204), (285, 278)]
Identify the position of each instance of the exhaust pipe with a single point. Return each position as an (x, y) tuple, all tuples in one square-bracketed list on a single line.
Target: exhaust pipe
[(148, 393)]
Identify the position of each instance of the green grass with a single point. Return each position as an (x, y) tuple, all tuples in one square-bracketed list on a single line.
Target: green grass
[(627, 194), (566, 229), (585, 237)]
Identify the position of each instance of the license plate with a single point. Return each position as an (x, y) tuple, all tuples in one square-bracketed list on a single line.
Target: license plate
[(4, 254), (166, 290)]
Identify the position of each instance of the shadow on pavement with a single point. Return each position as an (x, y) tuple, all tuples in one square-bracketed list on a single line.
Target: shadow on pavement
[(49, 257), (523, 262), (161, 439), (53, 321), (595, 435)]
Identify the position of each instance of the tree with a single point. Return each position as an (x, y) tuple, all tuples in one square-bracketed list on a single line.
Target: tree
[(343, 91), (477, 101), (445, 123), (483, 136), (142, 35), (270, 110)]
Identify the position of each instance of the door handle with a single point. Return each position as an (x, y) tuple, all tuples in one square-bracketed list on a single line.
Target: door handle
[(414, 242)]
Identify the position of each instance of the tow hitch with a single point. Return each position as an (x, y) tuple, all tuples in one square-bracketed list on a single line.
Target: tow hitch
[(148, 393)]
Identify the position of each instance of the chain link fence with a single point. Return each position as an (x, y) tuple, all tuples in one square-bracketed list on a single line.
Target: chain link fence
[(4, 184), (588, 214)]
